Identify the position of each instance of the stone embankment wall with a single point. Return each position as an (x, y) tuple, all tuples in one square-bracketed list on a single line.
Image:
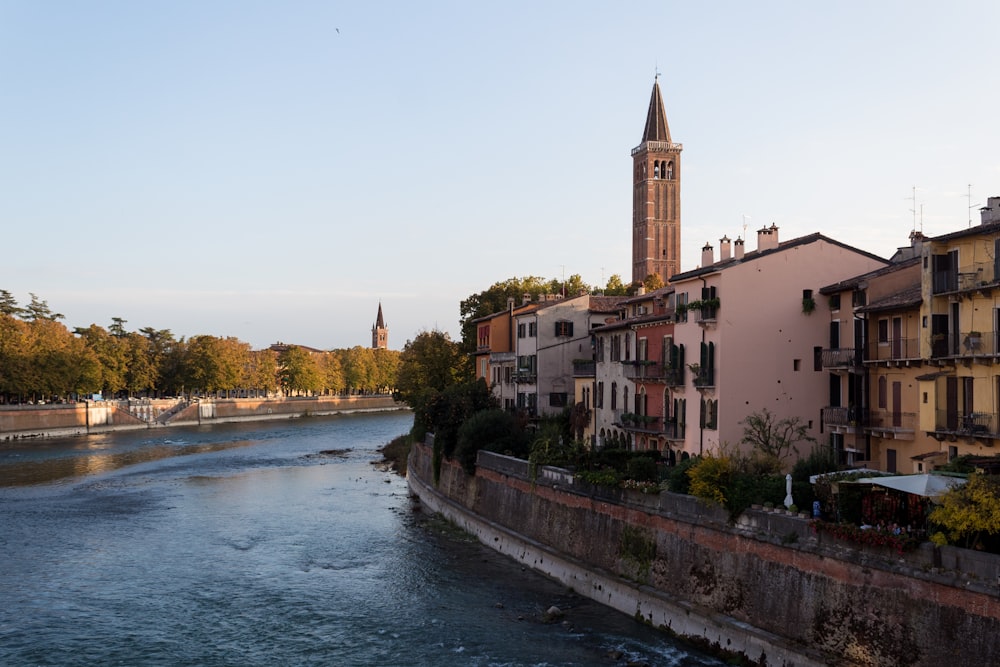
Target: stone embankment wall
[(766, 586), (39, 421)]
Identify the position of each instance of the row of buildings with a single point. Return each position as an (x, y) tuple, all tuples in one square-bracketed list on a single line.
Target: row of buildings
[(892, 363)]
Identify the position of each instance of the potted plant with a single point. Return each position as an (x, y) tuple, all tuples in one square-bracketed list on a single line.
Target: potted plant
[(808, 305)]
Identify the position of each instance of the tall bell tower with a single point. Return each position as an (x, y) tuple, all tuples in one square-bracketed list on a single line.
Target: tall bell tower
[(380, 332), (656, 197)]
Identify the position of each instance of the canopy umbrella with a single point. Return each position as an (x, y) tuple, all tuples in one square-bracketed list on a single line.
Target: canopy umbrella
[(926, 485)]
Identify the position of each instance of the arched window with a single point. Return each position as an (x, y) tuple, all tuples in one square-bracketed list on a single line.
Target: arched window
[(625, 398), (670, 171), (656, 169)]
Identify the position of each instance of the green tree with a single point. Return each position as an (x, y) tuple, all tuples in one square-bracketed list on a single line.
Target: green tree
[(300, 371), (386, 370), (969, 514), (615, 286), (38, 309), (112, 355), (492, 430), (772, 440), (8, 305), (431, 361), (359, 368)]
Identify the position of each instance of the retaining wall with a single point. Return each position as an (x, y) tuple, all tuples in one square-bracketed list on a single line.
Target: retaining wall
[(766, 586)]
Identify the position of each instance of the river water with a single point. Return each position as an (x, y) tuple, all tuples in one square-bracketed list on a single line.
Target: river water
[(274, 543)]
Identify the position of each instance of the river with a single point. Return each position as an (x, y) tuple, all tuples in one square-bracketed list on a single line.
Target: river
[(270, 543)]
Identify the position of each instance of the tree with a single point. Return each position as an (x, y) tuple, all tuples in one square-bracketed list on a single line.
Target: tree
[(652, 282), (358, 365), (773, 440), (969, 514), (615, 286), (431, 361), (299, 372), (38, 309), (8, 305)]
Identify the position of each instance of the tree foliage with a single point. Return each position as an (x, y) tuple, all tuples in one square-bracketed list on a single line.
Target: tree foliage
[(969, 514), (41, 359), (429, 362)]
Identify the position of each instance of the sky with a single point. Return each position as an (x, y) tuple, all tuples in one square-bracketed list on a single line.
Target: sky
[(274, 171)]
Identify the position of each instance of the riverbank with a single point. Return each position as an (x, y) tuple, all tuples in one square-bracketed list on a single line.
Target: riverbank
[(72, 419), (767, 587)]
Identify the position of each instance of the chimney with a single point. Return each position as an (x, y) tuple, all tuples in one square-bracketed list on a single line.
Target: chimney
[(724, 250), (990, 212), (767, 238), (510, 304), (707, 258), (525, 299), (738, 247)]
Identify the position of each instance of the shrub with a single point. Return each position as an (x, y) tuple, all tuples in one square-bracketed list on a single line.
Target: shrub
[(678, 480), (492, 430), (710, 478)]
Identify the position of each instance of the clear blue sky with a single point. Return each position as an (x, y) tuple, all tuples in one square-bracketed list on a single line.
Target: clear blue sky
[(274, 170)]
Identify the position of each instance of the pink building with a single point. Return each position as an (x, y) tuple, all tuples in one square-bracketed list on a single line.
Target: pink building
[(751, 332)]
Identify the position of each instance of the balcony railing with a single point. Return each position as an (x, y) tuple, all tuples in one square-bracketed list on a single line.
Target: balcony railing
[(978, 275), (653, 371), (525, 377), (888, 421), (894, 349), (840, 416), (972, 424), (584, 369), (641, 423), (705, 377), (840, 357), (966, 344)]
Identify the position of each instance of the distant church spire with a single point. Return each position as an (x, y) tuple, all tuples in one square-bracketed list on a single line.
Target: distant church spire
[(380, 333), (656, 196)]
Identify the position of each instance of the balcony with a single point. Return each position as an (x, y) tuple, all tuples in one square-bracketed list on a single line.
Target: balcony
[(893, 350), (640, 423), (652, 371), (841, 357), (843, 420), (979, 425), (704, 378), (584, 369), (889, 424), (976, 276), (525, 377), (965, 345)]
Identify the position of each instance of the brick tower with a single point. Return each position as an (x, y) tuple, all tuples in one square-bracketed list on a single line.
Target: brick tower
[(380, 332), (656, 197)]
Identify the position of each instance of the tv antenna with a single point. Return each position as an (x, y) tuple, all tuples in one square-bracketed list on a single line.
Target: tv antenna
[(913, 210), (971, 205)]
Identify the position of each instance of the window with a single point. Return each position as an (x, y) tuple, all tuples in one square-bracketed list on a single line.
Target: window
[(883, 392), (796, 364), (614, 395), (834, 302), (520, 330), (599, 398), (564, 328), (709, 414), (883, 332), (642, 350), (557, 399), (616, 348), (532, 329), (817, 358)]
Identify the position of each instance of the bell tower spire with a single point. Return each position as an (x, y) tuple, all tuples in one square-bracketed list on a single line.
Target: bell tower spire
[(380, 332), (656, 196)]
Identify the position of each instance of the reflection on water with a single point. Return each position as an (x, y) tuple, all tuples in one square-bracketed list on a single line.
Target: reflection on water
[(20, 473)]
